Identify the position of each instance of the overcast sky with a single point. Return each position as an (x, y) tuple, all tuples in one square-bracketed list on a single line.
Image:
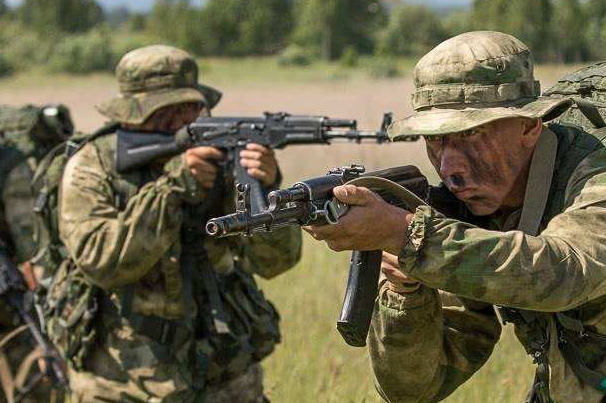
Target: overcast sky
[(145, 5)]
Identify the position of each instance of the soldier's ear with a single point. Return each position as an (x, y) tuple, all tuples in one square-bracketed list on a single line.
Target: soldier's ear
[(532, 131)]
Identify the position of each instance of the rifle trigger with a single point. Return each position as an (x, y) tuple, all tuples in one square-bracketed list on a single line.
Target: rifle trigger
[(333, 210)]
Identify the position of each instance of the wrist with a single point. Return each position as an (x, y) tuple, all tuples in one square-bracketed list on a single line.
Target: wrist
[(398, 231)]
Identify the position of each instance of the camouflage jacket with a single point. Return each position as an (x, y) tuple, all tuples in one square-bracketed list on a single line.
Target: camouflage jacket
[(424, 344), (125, 232)]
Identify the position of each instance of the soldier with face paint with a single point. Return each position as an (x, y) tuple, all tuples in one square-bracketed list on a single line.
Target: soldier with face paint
[(539, 258)]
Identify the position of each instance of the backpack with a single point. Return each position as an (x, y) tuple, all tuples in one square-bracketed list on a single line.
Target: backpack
[(28, 131), (587, 88), (66, 299)]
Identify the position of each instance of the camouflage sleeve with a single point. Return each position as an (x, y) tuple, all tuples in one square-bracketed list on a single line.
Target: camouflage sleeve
[(558, 270), (273, 253), (115, 247), (18, 201), (423, 345)]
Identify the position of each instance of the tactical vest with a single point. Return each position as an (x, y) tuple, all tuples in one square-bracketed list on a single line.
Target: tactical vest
[(532, 327), (235, 325)]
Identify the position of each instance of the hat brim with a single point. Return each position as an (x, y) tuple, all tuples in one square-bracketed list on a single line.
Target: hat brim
[(442, 121), (136, 108)]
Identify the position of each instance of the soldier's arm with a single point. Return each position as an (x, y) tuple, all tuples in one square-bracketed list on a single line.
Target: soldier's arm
[(18, 202), (273, 253), (424, 345), (115, 247), (558, 270)]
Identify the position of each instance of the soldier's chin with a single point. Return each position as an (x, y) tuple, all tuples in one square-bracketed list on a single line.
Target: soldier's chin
[(480, 206)]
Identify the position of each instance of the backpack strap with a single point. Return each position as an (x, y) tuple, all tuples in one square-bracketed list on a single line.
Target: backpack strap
[(590, 111)]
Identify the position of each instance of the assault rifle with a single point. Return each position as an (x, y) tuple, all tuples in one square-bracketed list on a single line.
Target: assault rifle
[(15, 293), (231, 134), (311, 202)]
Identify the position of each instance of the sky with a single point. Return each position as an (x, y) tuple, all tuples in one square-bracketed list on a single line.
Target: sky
[(145, 5)]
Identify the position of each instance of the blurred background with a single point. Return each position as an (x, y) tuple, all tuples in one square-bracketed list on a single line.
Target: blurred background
[(340, 58)]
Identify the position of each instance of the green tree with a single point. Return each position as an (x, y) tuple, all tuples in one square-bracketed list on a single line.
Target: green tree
[(327, 27), (569, 31), (595, 31), (412, 30), (176, 22), (244, 27), (529, 21), (68, 16), (3, 8)]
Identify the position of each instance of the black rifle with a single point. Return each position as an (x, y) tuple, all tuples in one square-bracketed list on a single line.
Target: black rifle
[(312, 202), (15, 293), (232, 134)]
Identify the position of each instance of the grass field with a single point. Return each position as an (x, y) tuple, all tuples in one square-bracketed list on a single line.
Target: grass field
[(312, 364)]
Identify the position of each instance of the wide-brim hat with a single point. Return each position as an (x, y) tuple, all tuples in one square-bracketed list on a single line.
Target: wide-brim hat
[(441, 121), (473, 79), (136, 108), (153, 77)]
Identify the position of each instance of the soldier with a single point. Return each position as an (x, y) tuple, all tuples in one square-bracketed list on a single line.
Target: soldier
[(26, 135), (539, 255), (178, 317)]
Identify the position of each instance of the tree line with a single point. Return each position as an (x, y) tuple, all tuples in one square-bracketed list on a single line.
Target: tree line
[(304, 30)]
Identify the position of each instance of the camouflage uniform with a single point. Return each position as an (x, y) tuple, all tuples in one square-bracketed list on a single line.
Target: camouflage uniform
[(27, 135), (180, 318), (425, 343)]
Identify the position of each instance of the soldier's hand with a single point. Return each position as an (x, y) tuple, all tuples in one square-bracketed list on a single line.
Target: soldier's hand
[(370, 223), (260, 163), (201, 162), (396, 280)]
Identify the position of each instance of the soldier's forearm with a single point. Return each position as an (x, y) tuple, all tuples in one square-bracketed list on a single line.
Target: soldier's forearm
[(273, 253), (509, 268)]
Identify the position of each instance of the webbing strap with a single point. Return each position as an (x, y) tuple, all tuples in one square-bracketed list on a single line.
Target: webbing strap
[(573, 357), (590, 111), (539, 182)]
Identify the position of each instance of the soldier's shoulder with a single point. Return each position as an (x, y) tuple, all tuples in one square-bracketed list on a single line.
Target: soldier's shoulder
[(93, 154)]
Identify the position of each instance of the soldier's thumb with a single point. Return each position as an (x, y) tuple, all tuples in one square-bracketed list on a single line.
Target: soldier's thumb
[(353, 195)]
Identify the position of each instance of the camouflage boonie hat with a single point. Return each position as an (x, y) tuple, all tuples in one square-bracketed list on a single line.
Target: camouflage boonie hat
[(472, 79), (153, 77)]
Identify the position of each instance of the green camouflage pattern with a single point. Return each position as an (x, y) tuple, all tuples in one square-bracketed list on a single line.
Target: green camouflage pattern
[(24, 140), (123, 232), (153, 77), (587, 83), (472, 79), (423, 345)]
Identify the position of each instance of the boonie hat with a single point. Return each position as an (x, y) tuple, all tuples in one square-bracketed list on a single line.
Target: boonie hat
[(472, 79), (153, 77)]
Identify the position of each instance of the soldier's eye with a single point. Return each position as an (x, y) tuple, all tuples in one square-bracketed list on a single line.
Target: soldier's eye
[(432, 139), (468, 133)]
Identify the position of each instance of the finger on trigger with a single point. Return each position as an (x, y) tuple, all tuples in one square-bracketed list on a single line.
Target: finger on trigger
[(253, 155), (248, 163), (352, 195), (259, 148), (257, 173)]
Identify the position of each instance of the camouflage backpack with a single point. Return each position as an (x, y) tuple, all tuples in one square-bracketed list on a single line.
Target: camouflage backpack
[(587, 88), (66, 299), (29, 132)]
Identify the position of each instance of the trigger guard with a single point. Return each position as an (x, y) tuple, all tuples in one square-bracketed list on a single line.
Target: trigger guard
[(333, 210)]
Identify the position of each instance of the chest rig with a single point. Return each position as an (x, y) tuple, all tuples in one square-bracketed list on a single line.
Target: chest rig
[(569, 147)]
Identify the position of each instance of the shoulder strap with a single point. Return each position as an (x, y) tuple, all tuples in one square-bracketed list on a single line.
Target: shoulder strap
[(590, 110), (539, 182)]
